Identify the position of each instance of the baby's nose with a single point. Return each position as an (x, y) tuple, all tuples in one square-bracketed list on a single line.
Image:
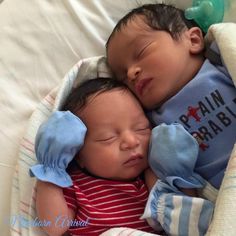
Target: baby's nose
[(129, 141), (133, 72)]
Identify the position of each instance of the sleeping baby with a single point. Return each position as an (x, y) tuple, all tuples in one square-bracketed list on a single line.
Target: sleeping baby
[(160, 56), (106, 133)]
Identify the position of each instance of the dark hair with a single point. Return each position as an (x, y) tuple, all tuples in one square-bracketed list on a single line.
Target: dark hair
[(158, 17), (79, 96)]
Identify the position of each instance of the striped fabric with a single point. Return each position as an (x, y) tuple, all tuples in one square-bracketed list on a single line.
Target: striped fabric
[(102, 204), (177, 213)]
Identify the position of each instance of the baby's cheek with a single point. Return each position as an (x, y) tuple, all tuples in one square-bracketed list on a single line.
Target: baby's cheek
[(148, 137), (146, 144), (130, 85)]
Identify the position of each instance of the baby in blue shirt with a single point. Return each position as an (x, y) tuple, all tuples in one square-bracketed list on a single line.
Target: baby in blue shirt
[(160, 56)]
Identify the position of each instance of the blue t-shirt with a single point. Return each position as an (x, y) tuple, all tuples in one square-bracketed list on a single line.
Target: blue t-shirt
[(206, 107)]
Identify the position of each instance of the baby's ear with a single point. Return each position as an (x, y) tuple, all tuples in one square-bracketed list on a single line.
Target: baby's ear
[(196, 40)]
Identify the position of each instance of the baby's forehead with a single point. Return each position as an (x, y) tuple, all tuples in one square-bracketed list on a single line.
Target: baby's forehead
[(137, 21), (114, 103), (131, 31)]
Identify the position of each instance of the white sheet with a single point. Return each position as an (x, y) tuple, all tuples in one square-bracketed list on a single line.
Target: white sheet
[(40, 41)]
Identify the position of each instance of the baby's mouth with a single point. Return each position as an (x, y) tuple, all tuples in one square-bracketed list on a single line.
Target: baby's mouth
[(141, 85), (133, 160)]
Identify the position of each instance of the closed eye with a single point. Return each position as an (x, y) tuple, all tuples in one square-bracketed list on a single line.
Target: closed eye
[(106, 139), (143, 50), (143, 129)]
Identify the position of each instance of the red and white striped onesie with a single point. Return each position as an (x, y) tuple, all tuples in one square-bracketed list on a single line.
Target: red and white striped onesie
[(101, 204)]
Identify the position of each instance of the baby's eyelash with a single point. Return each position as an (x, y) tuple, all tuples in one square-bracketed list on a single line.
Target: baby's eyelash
[(105, 139), (143, 49), (140, 52), (142, 127)]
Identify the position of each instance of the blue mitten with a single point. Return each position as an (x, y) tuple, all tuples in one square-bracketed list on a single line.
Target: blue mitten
[(173, 154), (57, 142)]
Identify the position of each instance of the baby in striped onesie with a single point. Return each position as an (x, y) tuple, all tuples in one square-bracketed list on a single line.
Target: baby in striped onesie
[(105, 188)]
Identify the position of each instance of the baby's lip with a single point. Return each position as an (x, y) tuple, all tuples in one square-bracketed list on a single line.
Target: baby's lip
[(141, 84), (133, 160)]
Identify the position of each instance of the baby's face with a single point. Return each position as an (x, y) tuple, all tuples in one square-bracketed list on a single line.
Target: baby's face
[(153, 65), (117, 139)]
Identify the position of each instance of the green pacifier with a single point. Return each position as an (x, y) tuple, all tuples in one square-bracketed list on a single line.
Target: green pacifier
[(206, 13)]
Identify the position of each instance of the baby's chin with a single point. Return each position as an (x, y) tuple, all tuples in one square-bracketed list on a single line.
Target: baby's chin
[(152, 102), (124, 177), (126, 174), (133, 175), (148, 105), (128, 179)]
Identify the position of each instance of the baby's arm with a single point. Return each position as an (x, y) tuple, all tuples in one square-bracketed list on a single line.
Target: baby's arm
[(151, 178), (176, 213), (189, 192), (51, 207)]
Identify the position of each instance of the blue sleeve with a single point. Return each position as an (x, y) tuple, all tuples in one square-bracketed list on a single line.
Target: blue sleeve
[(173, 154), (177, 213)]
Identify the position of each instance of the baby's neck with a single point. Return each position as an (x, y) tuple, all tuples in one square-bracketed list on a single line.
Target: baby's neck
[(195, 66)]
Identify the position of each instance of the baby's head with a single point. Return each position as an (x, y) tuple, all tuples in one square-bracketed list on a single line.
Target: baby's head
[(156, 52), (116, 143)]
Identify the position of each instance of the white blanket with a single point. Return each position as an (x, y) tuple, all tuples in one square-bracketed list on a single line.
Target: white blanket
[(23, 190), (223, 222)]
